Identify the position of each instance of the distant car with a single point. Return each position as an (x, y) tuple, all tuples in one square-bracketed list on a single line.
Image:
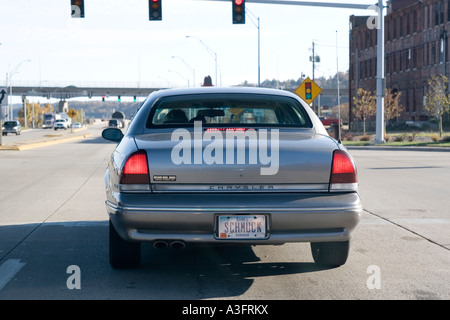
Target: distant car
[(60, 124), (114, 123), (194, 168), (329, 121), (77, 125), (13, 126)]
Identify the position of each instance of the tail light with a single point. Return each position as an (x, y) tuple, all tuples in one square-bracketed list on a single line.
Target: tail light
[(343, 172), (135, 175)]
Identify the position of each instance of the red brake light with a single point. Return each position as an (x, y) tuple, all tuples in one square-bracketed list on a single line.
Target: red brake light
[(135, 170), (343, 172)]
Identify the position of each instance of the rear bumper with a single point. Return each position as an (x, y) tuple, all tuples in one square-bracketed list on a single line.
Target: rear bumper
[(291, 217)]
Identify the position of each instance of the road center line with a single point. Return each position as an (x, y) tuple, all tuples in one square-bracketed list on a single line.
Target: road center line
[(8, 270)]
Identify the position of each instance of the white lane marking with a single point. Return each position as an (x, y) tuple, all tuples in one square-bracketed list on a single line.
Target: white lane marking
[(8, 270)]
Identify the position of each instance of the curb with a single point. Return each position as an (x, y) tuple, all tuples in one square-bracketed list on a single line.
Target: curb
[(394, 148), (43, 143)]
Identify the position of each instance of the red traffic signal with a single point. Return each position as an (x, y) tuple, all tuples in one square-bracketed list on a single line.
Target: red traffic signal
[(155, 11), (238, 11)]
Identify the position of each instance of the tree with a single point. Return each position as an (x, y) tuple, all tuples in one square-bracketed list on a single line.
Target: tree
[(437, 99), (343, 112), (365, 103), (392, 107)]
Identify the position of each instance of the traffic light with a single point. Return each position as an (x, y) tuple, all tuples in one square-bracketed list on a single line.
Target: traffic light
[(155, 9), (77, 8), (119, 99), (103, 98), (308, 91), (238, 11)]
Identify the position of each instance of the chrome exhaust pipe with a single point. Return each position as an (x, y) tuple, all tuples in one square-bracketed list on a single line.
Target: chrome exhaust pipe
[(159, 244), (177, 245)]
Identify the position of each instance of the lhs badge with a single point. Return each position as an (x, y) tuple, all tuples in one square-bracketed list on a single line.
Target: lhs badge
[(164, 178)]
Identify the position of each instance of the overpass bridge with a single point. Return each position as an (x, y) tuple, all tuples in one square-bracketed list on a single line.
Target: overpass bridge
[(63, 91)]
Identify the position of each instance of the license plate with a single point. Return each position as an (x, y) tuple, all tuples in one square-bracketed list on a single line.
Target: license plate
[(242, 227)]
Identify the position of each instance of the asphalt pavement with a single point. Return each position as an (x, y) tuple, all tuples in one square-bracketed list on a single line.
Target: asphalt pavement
[(35, 138)]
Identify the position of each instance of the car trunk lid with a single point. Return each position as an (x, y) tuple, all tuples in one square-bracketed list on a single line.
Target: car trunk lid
[(238, 160)]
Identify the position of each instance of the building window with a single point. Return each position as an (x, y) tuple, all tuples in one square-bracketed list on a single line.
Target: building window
[(408, 23), (433, 54), (448, 10), (446, 48), (407, 101), (409, 59), (414, 25), (394, 62), (430, 17), (402, 26), (437, 8)]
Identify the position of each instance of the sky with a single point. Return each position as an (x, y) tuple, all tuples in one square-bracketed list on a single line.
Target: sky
[(117, 44)]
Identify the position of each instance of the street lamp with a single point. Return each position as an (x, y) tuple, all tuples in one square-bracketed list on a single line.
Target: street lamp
[(181, 76), (210, 51), (10, 108), (187, 65), (257, 25)]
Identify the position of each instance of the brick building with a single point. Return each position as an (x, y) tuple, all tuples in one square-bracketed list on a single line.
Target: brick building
[(416, 48)]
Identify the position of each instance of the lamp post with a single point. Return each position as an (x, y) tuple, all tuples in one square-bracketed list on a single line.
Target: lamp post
[(181, 76), (10, 108), (187, 65), (210, 51), (257, 25)]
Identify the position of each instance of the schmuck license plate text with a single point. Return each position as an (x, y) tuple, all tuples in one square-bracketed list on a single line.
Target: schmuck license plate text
[(242, 227)]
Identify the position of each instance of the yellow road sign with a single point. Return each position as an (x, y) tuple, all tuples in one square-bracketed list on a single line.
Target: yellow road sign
[(308, 90), (72, 113)]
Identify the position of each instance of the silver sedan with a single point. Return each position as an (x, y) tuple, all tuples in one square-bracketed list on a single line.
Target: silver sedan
[(229, 166)]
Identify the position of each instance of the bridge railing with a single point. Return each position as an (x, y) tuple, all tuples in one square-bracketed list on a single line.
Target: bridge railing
[(89, 84)]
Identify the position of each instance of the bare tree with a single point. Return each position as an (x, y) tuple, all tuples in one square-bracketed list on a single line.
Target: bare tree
[(392, 107), (437, 98), (365, 103)]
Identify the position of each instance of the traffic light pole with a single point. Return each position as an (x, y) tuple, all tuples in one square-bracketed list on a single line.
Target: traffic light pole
[(379, 7), (380, 76)]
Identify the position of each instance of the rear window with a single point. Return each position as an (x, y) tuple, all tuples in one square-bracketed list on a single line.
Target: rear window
[(228, 110)]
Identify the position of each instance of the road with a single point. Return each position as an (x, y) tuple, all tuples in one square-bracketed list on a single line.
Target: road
[(53, 227)]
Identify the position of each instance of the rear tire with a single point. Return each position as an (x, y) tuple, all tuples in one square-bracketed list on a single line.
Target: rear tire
[(330, 254), (122, 253)]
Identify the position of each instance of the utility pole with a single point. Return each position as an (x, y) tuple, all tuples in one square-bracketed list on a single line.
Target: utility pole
[(379, 138), (313, 61), (313, 70)]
